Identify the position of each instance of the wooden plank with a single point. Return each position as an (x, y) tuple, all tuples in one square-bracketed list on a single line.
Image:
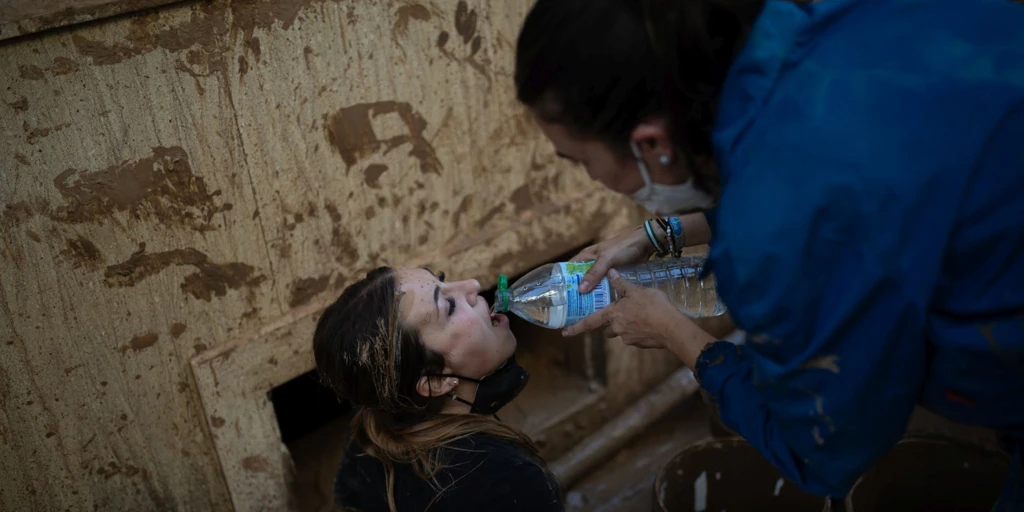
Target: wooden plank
[(102, 411), (22, 17)]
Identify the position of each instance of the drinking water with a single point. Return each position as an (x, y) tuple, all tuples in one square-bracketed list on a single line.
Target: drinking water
[(549, 295)]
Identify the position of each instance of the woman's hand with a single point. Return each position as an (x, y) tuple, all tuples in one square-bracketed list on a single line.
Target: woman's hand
[(640, 316), (646, 318), (627, 247)]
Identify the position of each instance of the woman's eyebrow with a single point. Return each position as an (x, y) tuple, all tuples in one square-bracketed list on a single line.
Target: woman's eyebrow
[(437, 294), (440, 275)]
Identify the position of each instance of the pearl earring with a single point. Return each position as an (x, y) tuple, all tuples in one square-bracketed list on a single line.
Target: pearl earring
[(665, 159)]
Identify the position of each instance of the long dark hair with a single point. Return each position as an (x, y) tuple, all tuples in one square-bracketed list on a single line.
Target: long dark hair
[(365, 354), (600, 67)]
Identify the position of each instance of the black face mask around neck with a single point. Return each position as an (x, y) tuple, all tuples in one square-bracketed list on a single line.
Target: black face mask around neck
[(495, 390)]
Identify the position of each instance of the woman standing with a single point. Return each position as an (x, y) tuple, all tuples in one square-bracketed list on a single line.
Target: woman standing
[(861, 163)]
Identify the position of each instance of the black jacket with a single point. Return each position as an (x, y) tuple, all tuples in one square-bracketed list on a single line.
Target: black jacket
[(483, 473)]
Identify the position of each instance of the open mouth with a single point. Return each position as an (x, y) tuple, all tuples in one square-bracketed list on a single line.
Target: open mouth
[(498, 320)]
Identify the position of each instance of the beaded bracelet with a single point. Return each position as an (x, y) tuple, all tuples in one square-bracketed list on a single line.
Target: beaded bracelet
[(674, 235), (667, 247), (677, 233), (664, 225), (667, 228)]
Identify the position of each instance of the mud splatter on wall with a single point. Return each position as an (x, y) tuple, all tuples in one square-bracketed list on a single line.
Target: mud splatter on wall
[(405, 14), (210, 279), (141, 342), (163, 186), (81, 252), (465, 21), (178, 329), (305, 289), (350, 130)]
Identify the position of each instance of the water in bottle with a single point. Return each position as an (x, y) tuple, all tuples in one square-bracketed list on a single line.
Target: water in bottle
[(549, 295)]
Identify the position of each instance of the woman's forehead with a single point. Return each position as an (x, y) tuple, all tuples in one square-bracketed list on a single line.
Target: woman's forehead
[(416, 295)]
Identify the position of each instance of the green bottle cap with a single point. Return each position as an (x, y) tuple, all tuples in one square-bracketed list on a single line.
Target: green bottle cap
[(501, 298)]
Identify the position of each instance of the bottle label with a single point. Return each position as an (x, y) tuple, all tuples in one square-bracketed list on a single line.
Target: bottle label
[(580, 305)]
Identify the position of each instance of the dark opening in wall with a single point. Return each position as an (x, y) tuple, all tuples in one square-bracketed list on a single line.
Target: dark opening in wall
[(303, 405), (314, 427)]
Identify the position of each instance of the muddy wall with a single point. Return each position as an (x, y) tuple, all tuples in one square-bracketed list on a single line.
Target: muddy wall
[(184, 177)]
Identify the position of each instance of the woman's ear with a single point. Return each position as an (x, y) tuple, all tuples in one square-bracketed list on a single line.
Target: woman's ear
[(436, 386), (655, 143), (653, 139)]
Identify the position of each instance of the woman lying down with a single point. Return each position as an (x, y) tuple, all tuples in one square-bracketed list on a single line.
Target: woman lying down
[(428, 366)]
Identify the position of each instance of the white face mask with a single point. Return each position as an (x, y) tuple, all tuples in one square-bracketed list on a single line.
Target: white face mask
[(668, 199)]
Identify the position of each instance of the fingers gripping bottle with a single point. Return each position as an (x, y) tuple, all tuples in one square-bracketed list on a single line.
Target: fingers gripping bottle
[(549, 295)]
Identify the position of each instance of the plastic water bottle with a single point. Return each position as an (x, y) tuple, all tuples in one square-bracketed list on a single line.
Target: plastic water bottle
[(549, 295)]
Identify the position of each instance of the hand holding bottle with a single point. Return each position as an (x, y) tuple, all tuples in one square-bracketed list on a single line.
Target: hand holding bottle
[(645, 318), (625, 248), (637, 317), (635, 245), (549, 295)]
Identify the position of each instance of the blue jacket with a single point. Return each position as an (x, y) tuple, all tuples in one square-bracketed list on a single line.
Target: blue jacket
[(870, 233)]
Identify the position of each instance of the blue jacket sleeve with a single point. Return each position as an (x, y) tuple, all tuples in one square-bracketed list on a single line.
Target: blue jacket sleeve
[(830, 373), (832, 287)]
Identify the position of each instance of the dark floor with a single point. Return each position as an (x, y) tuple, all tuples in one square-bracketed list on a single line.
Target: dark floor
[(626, 482)]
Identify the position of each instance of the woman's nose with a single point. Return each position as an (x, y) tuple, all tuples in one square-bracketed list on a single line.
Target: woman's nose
[(472, 291)]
